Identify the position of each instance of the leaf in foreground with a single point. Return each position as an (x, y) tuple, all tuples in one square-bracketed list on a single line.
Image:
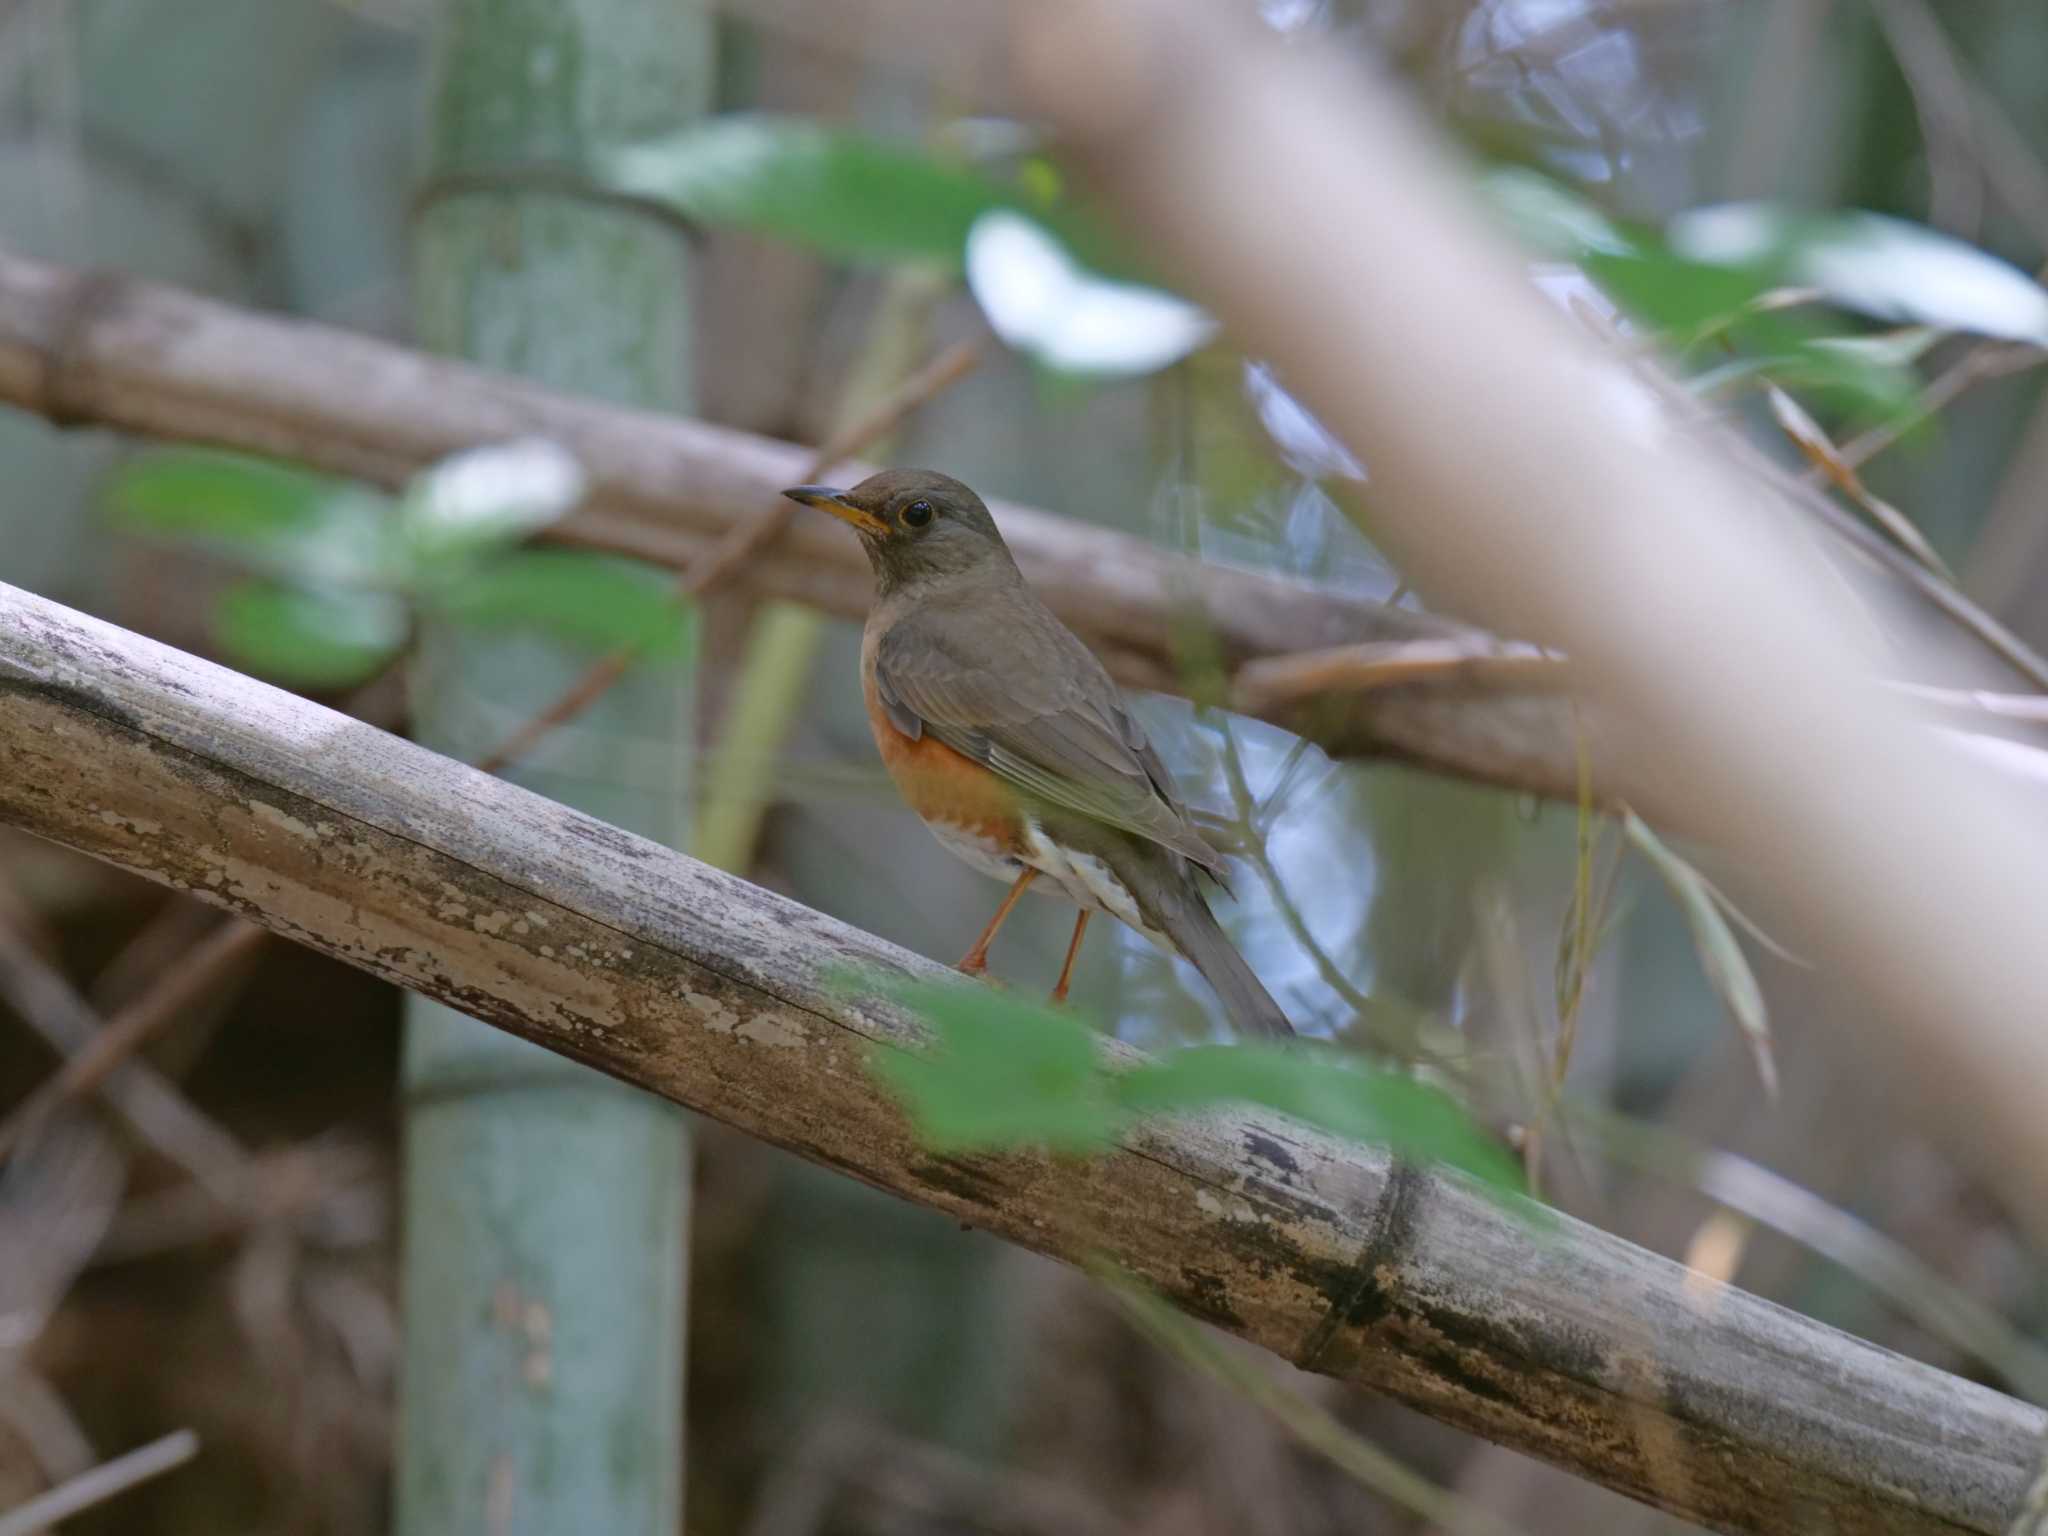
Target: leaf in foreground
[(1003, 1072), (1328, 1089)]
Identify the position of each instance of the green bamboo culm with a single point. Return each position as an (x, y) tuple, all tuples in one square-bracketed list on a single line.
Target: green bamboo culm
[(546, 1208)]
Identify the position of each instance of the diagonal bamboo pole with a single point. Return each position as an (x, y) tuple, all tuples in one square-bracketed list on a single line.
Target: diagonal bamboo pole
[(1573, 1346)]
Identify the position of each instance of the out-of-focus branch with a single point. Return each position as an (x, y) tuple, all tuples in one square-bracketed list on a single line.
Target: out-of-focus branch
[(90, 348), (159, 1115), (107, 1048), (1564, 1342), (1517, 477), (102, 1483)]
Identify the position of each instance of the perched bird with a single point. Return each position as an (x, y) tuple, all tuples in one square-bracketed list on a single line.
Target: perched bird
[(1007, 737)]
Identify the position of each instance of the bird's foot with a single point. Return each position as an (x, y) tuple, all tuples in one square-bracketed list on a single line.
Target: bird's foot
[(977, 967)]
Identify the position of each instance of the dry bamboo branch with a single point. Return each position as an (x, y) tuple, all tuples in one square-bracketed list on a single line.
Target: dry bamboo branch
[(1568, 1344), (90, 348)]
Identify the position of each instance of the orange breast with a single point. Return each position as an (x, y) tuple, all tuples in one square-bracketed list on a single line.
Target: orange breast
[(940, 784)]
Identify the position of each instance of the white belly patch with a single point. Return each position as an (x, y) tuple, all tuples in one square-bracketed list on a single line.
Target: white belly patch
[(1086, 881), (1080, 877)]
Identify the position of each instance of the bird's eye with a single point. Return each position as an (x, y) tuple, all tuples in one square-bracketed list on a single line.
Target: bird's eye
[(917, 514)]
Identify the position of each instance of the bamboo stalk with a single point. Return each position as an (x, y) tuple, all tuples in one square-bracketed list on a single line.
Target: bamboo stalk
[(1569, 1344)]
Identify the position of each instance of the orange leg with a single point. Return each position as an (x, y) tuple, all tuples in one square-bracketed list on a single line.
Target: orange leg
[(1059, 993), (975, 961)]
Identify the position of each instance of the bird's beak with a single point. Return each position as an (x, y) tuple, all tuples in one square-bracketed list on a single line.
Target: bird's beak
[(826, 499)]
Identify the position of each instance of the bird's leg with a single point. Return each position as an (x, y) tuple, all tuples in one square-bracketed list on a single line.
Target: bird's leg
[(975, 961), (1059, 993)]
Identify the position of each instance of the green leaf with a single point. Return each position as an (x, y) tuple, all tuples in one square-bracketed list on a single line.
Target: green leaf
[(1331, 1090), (845, 194), (1670, 293), (1000, 1072), (309, 639), (311, 527), (591, 599), (485, 499)]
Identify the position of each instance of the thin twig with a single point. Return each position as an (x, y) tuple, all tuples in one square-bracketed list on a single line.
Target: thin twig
[(1986, 360), (161, 1116), (742, 542), (103, 1482), (132, 1028), (1254, 851), (1819, 449)]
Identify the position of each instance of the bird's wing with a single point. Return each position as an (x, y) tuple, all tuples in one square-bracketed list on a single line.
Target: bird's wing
[(1034, 705)]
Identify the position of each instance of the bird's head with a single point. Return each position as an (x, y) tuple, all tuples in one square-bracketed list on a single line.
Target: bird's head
[(915, 524)]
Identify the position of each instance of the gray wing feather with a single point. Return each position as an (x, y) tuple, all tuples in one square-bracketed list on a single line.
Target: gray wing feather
[(1061, 734)]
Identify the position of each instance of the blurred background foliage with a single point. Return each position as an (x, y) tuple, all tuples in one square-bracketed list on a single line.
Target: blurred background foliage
[(1816, 208)]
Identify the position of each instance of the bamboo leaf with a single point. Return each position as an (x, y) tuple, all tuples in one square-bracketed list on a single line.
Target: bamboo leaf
[(1331, 1090), (1003, 1072), (1720, 953)]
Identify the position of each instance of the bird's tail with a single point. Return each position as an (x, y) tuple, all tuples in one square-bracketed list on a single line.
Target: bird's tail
[(1197, 935)]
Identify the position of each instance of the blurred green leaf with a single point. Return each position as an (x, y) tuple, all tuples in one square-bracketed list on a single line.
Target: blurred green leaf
[(592, 599), (484, 499), (286, 520), (310, 639), (850, 196), (1331, 1090), (1000, 1072), (1689, 299)]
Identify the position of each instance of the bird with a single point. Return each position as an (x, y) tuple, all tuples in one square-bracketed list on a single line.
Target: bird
[(1009, 740)]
